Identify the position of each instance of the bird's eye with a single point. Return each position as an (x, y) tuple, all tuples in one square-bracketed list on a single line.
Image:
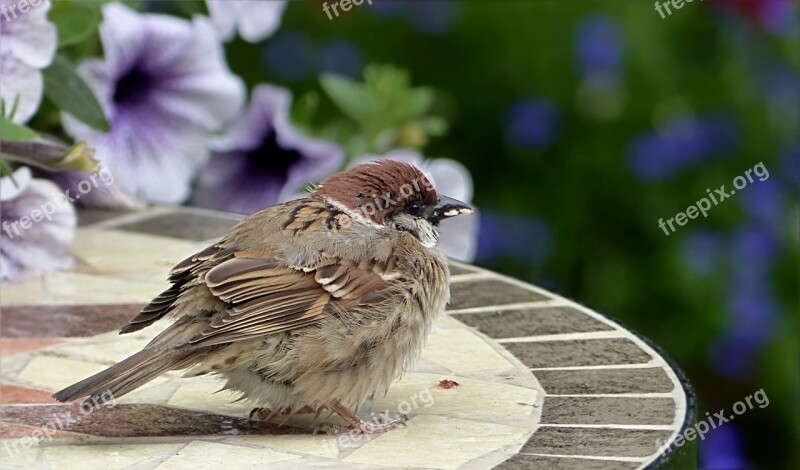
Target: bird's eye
[(414, 209)]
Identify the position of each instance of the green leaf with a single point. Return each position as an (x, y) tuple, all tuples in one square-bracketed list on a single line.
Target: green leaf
[(418, 102), (6, 170), (68, 91), (13, 132), (75, 22), (305, 108), (351, 97), (434, 126)]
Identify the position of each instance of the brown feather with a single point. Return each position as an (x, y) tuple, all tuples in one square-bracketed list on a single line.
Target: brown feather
[(265, 298), (359, 187)]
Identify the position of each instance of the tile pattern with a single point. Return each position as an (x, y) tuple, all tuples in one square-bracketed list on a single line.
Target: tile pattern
[(535, 380)]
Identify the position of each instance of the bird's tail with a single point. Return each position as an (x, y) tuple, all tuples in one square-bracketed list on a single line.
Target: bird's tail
[(125, 376)]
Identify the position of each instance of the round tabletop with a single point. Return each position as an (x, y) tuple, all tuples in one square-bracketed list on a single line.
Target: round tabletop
[(512, 377)]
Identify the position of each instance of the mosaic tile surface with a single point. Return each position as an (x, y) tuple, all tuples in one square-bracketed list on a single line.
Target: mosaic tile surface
[(513, 377)]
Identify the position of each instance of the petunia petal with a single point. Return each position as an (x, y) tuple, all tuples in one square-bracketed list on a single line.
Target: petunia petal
[(123, 37), (255, 20), (38, 226), (159, 131), (258, 20), (29, 36), (20, 84), (266, 103), (27, 44), (262, 159), (223, 17)]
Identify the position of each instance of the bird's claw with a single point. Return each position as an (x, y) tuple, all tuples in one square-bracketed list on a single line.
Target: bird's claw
[(364, 427)]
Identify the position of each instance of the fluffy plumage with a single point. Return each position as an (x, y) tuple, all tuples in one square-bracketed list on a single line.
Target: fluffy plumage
[(309, 303)]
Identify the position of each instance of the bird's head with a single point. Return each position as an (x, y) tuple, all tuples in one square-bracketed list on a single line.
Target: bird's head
[(392, 194)]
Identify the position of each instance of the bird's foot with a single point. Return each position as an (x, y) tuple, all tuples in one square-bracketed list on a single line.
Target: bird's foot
[(259, 414), (376, 426), (265, 414)]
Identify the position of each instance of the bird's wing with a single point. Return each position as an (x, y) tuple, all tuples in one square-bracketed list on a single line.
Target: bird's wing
[(184, 274), (267, 297)]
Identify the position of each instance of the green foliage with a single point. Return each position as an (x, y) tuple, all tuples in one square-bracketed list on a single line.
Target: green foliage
[(65, 88), (387, 111), (13, 132), (75, 21)]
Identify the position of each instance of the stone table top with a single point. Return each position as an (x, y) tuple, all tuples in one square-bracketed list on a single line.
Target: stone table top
[(513, 376)]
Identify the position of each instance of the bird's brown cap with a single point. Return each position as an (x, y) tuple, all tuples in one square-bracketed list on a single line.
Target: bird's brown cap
[(378, 188)]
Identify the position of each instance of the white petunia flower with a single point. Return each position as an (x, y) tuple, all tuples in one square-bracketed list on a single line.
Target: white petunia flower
[(254, 19), (27, 45)]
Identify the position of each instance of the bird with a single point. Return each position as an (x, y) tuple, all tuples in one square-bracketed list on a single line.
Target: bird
[(320, 302)]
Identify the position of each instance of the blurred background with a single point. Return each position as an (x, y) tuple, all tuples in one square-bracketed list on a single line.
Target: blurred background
[(580, 124), (585, 122)]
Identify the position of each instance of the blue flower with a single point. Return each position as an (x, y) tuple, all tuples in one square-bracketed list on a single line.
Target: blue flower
[(733, 355), (753, 245), (289, 56), (598, 46), (702, 250), (428, 17), (262, 159), (763, 201), (779, 18), (341, 58), (722, 448), (681, 142), (390, 9), (527, 239), (781, 84), (790, 164), (753, 315), (432, 17), (165, 87), (532, 123)]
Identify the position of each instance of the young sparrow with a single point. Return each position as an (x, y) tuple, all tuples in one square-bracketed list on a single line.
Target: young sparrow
[(317, 302)]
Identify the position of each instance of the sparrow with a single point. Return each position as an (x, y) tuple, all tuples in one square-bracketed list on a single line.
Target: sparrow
[(321, 302)]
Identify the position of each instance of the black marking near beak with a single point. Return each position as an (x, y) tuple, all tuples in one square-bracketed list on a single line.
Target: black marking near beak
[(448, 207)]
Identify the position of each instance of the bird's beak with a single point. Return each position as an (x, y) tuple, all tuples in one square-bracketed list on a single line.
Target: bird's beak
[(449, 207)]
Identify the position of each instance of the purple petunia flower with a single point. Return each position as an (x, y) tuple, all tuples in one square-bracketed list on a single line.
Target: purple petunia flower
[(255, 20), (458, 238), (27, 45), (38, 226), (262, 159), (164, 87), (533, 124)]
